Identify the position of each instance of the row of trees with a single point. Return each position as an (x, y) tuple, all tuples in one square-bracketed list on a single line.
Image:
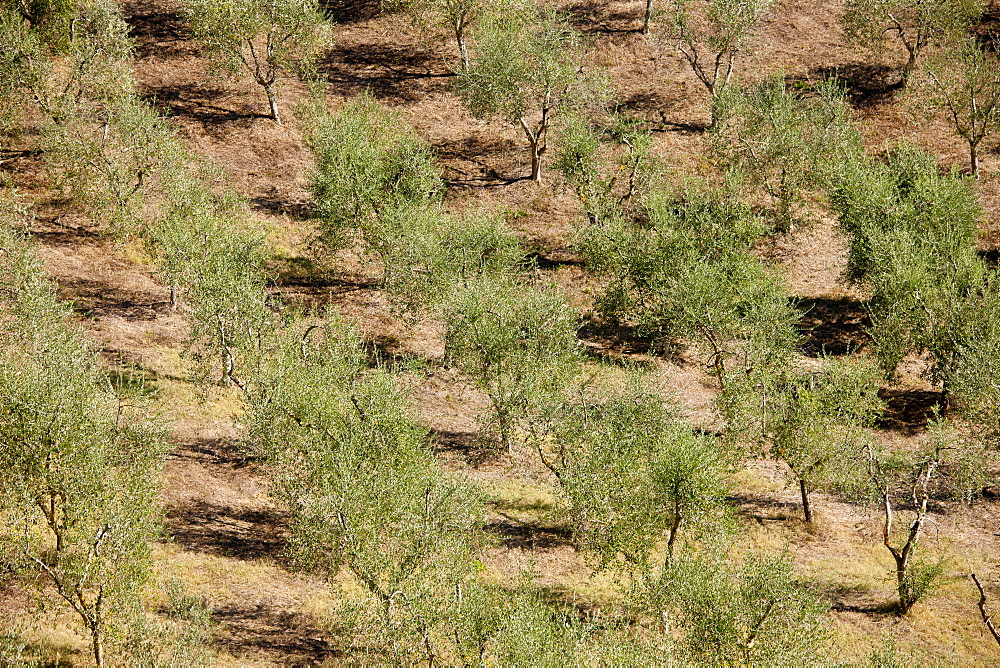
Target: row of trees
[(644, 489)]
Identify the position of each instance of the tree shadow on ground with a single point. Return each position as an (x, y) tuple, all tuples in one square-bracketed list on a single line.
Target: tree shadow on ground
[(833, 326), (861, 601), (158, 32), (518, 535), (472, 161), (615, 341), (655, 104), (866, 85), (272, 634), (908, 411), (470, 446), (396, 73), (276, 205), (227, 531), (100, 299), (595, 18), (350, 11), (195, 101), (763, 508)]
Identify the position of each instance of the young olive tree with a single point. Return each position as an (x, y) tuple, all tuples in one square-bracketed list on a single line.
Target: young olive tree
[(527, 69), (205, 252), (453, 18), (427, 254), (965, 81), (269, 39), (369, 161), (77, 470), (113, 158), (367, 497), (782, 142), (687, 274), (887, 472), (53, 21), (709, 34), (814, 422), (609, 171), (752, 612), (635, 475), (912, 232), (517, 342), (915, 24)]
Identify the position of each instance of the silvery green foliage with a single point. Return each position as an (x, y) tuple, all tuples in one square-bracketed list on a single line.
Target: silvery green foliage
[(527, 70), (637, 477), (709, 34), (216, 265), (268, 39), (914, 23), (609, 170), (77, 471), (751, 613), (783, 142), (686, 273), (368, 499), (912, 232), (518, 344), (814, 421), (369, 162), (427, 253), (112, 158), (964, 80)]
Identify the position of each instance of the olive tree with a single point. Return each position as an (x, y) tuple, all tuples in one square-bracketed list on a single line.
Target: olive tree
[(269, 39), (635, 475), (965, 81), (77, 469), (526, 69), (369, 161), (813, 421), (750, 611), (367, 498), (113, 158), (52, 20), (687, 274), (454, 18), (783, 141), (915, 24), (517, 342), (912, 232), (209, 255), (709, 34)]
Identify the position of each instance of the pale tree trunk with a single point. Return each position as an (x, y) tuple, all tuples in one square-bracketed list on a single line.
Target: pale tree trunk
[(536, 140), (272, 101), (647, 16), (536, 163), (974, 158), (463, 48)]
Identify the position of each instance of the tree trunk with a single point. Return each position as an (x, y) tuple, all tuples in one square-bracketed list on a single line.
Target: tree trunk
[(806, 510), (272, 100), (463, 48), (536, 163), (974, 158), (647, 16), (97, 644)]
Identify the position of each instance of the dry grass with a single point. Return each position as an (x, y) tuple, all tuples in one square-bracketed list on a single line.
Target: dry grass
[(227, 536)]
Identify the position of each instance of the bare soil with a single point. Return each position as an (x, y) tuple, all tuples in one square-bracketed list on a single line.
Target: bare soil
[(225, 537)]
